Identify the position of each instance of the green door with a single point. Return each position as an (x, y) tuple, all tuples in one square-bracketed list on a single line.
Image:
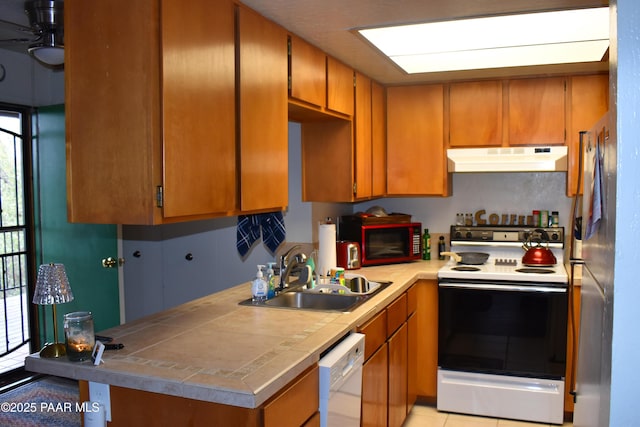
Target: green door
[(80, 247)]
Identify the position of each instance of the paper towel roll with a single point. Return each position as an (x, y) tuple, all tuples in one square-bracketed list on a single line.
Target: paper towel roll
[(326, 248)]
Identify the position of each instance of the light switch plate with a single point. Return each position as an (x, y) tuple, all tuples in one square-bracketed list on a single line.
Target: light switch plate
[(99, 392)]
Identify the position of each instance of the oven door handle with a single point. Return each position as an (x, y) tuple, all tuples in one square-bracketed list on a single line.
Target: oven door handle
[(510, 287)]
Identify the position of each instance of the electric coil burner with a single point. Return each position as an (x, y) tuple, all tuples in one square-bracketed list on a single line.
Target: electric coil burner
[(503, 327)]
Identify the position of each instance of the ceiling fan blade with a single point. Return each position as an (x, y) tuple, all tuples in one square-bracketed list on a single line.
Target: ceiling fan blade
[(16, 27), (16, 40)]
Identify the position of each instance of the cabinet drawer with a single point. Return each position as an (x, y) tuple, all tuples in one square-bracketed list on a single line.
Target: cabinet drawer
[(396, 314), (296, 403), (375, 331)]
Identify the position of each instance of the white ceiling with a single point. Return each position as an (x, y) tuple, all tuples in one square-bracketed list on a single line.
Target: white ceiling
[(329, 25)]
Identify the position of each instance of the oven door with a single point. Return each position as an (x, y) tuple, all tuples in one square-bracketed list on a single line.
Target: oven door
[(503, 328)]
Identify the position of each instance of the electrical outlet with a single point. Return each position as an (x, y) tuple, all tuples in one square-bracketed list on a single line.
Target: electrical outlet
[(99, 392)]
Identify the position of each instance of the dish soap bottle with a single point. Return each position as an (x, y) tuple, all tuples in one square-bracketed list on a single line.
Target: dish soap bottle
[(441, 247), (426, 245), (259, 287), (271, 280)]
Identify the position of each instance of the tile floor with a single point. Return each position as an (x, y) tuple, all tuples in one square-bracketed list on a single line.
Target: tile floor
[(428, 416)]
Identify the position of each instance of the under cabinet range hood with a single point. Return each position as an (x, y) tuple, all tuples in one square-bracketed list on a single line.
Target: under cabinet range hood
[(508, 159)]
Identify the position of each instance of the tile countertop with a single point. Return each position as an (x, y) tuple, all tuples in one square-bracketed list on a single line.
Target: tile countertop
[(213, 349)]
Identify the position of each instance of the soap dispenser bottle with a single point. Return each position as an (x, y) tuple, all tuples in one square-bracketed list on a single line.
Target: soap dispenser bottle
[(259, 287), (271, 280)]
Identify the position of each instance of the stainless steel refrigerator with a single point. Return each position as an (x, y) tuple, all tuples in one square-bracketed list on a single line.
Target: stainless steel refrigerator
[(593, 374)]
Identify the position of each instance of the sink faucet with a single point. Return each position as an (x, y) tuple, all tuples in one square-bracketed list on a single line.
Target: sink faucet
[(291, 260)]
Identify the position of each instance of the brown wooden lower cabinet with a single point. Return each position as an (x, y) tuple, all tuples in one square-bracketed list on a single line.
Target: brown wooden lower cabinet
[(294, 406), (398, 377), (412, 355), (375, 381), (387, 395), (427, 345)]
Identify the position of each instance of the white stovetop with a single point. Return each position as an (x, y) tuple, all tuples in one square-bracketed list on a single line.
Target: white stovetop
[(490, 271)]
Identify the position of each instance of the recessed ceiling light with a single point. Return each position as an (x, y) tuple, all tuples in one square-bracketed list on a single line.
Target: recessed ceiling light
[(541, 38)]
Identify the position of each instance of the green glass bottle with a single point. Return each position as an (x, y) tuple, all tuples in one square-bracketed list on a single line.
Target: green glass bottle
[(426, 245)]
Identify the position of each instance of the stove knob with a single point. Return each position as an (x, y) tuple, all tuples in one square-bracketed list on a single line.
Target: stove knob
[(555, 237), (458, 235), (469, 234)]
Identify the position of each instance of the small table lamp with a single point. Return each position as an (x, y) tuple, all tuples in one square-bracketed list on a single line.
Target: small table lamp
[(52, 287)]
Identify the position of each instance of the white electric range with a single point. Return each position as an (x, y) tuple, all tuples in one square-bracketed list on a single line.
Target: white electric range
[(503, 326)]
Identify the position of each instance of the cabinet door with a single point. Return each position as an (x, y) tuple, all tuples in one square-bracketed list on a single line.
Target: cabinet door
[(339, 87), (263, 112), (308, 73), (362, 137), (537, 111), (475, 114), (398, 376), (375, 381), (294, 404), (327, 161), (412, 346), (378, 141), (589, 102), (412, 361), (416, 163), (427, 345), (198, 108), (112, 111)]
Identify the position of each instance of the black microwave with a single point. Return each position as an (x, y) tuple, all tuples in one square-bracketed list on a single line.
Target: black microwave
[(381, 240)]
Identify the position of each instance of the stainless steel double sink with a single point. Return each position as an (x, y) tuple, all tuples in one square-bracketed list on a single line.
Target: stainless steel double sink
[(358, 290)]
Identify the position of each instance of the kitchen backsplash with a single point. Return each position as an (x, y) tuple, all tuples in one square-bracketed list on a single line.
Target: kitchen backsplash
[(500, 193)]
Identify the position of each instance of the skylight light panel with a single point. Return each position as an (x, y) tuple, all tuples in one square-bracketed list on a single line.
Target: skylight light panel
[(568, 36)]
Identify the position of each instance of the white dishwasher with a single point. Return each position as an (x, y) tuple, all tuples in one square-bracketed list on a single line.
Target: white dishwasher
[(341, 383)]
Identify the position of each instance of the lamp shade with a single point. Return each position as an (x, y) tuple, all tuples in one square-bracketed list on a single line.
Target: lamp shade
[(52, 285)]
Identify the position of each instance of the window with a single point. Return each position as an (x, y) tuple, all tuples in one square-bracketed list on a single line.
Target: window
[(16, 254)]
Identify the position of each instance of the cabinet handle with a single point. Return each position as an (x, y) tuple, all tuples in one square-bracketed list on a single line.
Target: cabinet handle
[(189, 257), (111, 262)]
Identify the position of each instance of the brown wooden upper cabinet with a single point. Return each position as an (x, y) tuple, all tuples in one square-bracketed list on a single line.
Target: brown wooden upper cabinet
[(318, 84), (416, 163), (475, 114), (536, 111), (362, 138), (150, 114), (378, 140), (340, 83), (263, 138), (589, 102), (308, 75), (343, 158)]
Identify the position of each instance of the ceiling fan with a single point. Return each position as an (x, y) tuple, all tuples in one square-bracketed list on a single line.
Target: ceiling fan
[(44, 37)]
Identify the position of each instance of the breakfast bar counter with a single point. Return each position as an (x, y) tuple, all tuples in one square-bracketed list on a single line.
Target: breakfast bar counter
[(214, 350)]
